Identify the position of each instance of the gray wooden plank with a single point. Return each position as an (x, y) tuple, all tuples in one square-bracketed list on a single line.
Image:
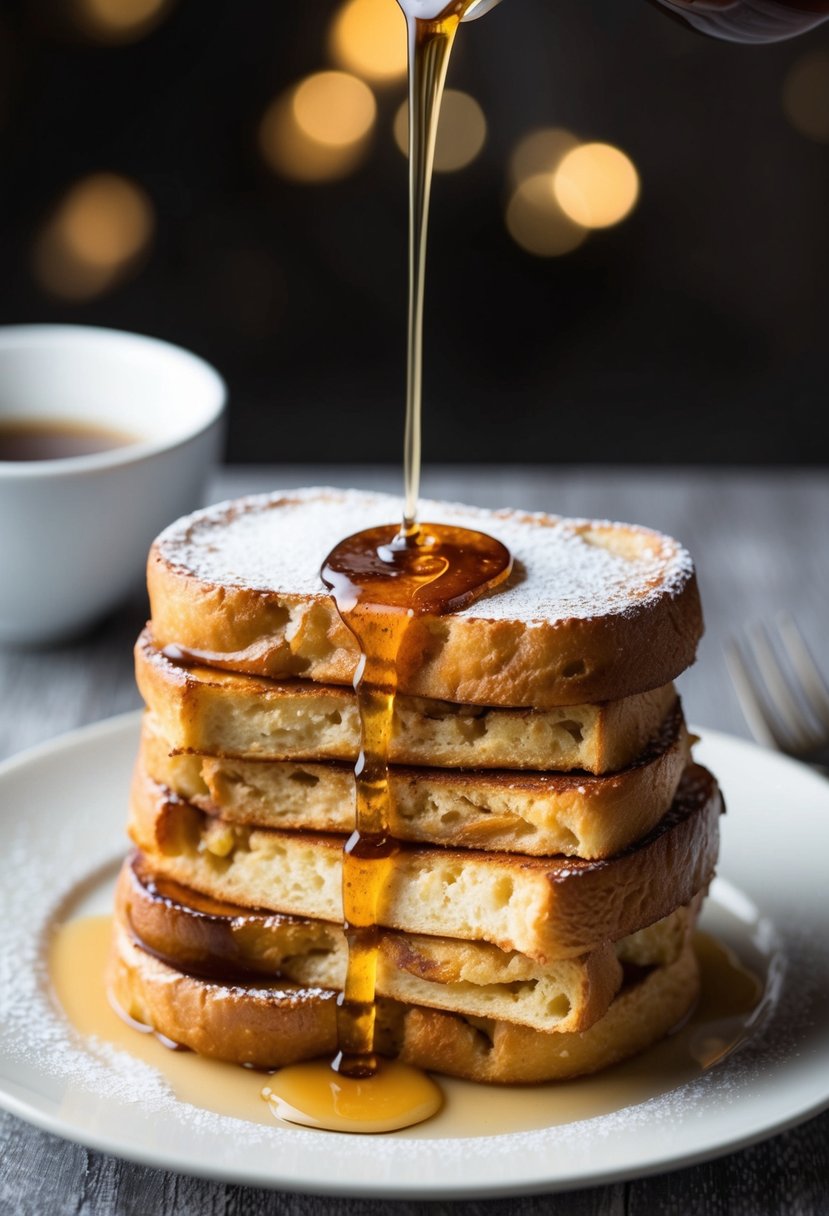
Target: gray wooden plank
[(47, 692), (761, 543), (38, 1173), (785, 1176), (42, 1174)]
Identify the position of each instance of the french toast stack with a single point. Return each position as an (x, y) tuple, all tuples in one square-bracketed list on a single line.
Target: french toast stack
[(555, 838)]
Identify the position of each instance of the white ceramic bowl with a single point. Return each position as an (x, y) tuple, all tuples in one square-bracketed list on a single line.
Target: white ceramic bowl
[(74, 532)]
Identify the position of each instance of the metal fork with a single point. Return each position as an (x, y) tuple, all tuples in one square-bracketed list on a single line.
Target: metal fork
[(781, 691)]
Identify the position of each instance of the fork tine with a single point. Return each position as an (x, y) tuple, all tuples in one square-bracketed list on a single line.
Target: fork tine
[(754, 709), (805, 667), (801, 732)]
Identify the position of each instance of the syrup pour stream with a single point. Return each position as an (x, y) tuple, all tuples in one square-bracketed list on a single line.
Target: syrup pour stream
[(381, 579), (430, 46)]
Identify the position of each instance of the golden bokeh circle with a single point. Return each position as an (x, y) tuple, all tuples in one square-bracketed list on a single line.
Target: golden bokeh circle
[(334, 108), (119, 20), (806, 95), (540, 151), (96, 234), (536, 222), (291, 152), (596, 185), (368, 37)]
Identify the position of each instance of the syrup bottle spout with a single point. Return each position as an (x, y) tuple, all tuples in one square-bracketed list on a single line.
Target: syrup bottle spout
[(478, 10)]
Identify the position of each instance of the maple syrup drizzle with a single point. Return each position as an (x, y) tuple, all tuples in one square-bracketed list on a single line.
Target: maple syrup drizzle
[(430, 46), (380, 579)]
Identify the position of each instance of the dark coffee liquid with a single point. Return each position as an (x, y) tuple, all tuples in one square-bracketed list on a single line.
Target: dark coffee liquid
[(56, 439), (750, 20)]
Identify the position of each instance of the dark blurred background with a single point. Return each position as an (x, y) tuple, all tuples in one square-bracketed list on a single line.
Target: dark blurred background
[(156, 160)]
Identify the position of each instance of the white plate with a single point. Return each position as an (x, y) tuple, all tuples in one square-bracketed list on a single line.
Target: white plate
[(63, 811)]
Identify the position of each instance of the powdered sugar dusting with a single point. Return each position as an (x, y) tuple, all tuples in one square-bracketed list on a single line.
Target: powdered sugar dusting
[(564, 568)]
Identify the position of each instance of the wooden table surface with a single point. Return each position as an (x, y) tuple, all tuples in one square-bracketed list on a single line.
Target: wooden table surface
[(761, 543)]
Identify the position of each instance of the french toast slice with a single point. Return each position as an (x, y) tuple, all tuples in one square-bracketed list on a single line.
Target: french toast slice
[(269, 1025), (223, 713), (225, 941), (594, 611), (546, 908), (514, 812)]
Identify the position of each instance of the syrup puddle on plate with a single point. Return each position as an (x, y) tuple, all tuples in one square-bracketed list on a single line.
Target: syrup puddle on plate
[(731, 999)]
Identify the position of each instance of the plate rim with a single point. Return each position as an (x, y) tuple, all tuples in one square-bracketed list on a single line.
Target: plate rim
[(367, 1189), (659, 1160)]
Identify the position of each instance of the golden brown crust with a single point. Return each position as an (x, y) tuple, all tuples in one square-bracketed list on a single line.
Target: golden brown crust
[(265, 1026), (540, 814), (546, 908), (536, 645), (225, 714), (209, 937), (500, 1053), (268, 1026), (226, 942)]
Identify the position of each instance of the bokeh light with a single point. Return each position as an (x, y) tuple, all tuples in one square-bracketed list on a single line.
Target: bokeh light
[(96, 235), (806, 96), (540, 151), (596, 185), (461, 132), (536, 222), (119, 20), (320, 129), (368, 37), (334, 108)]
